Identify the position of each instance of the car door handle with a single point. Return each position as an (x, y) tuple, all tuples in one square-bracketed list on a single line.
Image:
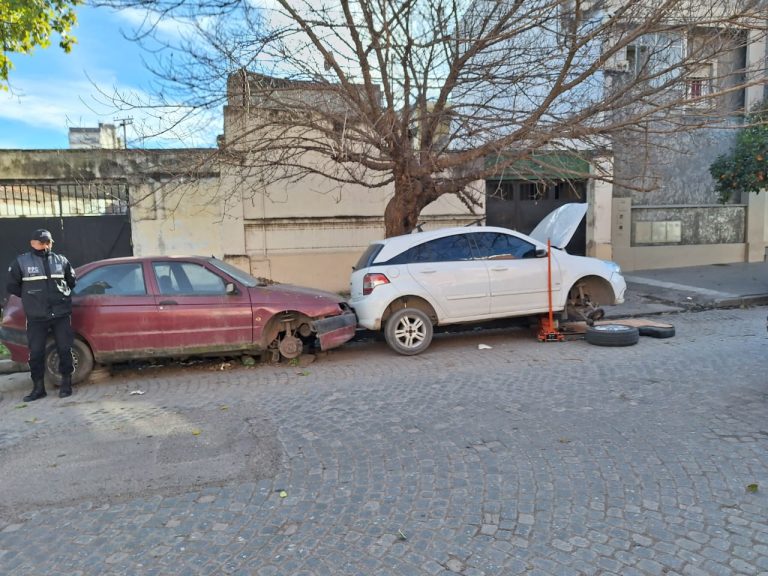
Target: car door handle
[(168, 303), (428, 271), (499, 269)]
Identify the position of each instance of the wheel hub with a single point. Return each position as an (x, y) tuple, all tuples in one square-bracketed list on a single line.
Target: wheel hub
[(290, 346)]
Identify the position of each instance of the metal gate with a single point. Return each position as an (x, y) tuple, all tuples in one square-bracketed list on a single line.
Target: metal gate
[(521, 204), (88, 221)]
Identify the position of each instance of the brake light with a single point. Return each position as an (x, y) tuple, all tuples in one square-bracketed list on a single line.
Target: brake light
[(370, 281)]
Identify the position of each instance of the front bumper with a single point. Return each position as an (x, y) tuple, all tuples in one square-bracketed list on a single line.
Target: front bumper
[(335, 330), (619, 287)]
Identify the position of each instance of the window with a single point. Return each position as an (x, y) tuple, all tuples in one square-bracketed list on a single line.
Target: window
[(533, 191), (368, 256), (187, 278), (503, 190), (654, 58), (448, 249), (569, 190), (496, 246), (112, 280), (700, 82)]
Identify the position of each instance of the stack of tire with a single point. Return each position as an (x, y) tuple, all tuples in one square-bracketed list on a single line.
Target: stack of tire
[(623, 335)]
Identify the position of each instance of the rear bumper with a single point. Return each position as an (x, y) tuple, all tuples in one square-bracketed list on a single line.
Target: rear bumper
[(16, 342), (336, 330)]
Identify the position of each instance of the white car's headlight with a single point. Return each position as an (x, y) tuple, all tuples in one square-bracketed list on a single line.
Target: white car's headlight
[(613, 266)]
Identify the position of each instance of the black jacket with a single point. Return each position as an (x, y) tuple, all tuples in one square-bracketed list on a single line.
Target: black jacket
[(44, 281)]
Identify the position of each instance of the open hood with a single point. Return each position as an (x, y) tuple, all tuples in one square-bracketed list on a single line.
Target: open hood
[(560, 225)]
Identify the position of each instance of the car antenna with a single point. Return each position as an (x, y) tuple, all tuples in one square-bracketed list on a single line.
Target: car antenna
[(475, 222), (419, 225)]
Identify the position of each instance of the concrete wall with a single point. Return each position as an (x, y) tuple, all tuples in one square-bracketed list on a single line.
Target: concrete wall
[(174, 208), (313, 231), (308, 232)]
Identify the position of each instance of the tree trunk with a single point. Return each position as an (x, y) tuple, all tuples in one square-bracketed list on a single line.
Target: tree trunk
[(402, 212)]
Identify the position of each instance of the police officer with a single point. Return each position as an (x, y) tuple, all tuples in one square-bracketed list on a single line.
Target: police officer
[(44, 281)]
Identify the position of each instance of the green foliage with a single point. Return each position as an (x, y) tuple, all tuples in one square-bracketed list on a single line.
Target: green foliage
[(746, 168), (25, 24)]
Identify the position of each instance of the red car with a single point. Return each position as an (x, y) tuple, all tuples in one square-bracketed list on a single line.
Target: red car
[(165, 306)]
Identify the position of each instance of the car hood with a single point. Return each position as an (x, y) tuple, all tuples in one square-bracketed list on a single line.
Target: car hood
[(560, 225), (282, 292)]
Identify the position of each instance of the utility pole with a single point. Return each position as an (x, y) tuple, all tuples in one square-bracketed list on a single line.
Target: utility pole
[(124, 122)]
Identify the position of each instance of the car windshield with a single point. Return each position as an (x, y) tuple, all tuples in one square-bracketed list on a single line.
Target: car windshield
[(236, 273)]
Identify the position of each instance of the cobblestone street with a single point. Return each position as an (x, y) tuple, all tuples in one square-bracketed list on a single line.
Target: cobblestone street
[(526, 458)]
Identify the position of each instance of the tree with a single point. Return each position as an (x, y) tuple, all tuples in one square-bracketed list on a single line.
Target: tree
[(745, 169), (428, 96), (25, 24)]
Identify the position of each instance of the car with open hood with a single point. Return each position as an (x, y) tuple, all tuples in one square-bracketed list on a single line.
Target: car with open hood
[(406, 285), (173, 306)]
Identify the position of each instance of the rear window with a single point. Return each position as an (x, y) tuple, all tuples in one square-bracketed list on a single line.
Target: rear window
[(368, 256)]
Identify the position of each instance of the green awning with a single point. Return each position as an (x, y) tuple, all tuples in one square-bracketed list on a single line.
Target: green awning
[(540, 166)]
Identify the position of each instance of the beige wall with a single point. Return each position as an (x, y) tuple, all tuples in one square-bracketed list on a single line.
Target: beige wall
[(185, 218), (313, 231)]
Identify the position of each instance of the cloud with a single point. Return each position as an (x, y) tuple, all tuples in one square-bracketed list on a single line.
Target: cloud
[(31, 103), (79, 104), (165, 28)]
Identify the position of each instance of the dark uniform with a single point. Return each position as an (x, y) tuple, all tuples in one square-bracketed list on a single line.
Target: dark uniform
[(44, 281)]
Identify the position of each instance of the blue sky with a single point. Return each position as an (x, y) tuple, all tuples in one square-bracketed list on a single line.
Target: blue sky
[(52, 91)]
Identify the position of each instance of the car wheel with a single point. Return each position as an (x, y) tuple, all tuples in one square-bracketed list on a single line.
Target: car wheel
[(657, 331), (408, 331), (82, 359), (612, 335)]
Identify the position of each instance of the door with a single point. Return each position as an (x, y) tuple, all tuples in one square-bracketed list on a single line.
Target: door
[(517, 278), (446, 269), (114, 311), (196, 313), (521, 204)]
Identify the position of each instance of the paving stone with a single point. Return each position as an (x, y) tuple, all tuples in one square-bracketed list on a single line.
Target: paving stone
[(535, 459)]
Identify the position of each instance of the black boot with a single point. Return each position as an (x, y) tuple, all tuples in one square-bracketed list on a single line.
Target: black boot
[(65, 388), (38, 391)]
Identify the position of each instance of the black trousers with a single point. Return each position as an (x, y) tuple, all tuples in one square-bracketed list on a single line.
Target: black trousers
[(37, 334)]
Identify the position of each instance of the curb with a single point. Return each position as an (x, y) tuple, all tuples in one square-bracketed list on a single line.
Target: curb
[(10, 367), (753, 300)]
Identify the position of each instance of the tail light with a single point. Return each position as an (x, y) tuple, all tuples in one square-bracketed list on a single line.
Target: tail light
[(370, 281)]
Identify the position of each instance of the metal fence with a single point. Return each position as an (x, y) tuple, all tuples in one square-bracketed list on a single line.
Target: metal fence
[(58, 200)]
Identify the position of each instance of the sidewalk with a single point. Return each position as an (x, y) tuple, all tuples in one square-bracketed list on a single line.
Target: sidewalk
[(693, 288)]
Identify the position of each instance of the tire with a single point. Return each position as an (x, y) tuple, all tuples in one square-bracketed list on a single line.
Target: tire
[(82, 358), (612, 335), (657, 331), (408, 331)]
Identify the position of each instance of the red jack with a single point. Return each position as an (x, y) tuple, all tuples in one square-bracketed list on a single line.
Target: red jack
[(547, 330)]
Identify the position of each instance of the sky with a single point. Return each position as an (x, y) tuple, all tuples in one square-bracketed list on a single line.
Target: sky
[(52, 91)]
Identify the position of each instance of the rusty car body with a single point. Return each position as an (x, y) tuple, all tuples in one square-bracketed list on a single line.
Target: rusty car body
[(171, 306)]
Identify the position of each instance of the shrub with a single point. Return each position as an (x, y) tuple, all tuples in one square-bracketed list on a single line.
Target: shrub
[(745, 169)]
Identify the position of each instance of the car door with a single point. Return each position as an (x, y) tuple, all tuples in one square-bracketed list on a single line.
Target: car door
[(446, 269), (113, 309), (517, 278), (197, 315)]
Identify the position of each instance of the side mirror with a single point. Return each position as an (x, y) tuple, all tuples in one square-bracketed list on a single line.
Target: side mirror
[(541, 252), (230, 289)]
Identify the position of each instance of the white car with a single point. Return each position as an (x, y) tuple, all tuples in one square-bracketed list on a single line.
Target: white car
[(407, 284)]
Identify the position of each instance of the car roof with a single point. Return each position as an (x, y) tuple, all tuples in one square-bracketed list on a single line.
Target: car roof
[(397, 244)]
